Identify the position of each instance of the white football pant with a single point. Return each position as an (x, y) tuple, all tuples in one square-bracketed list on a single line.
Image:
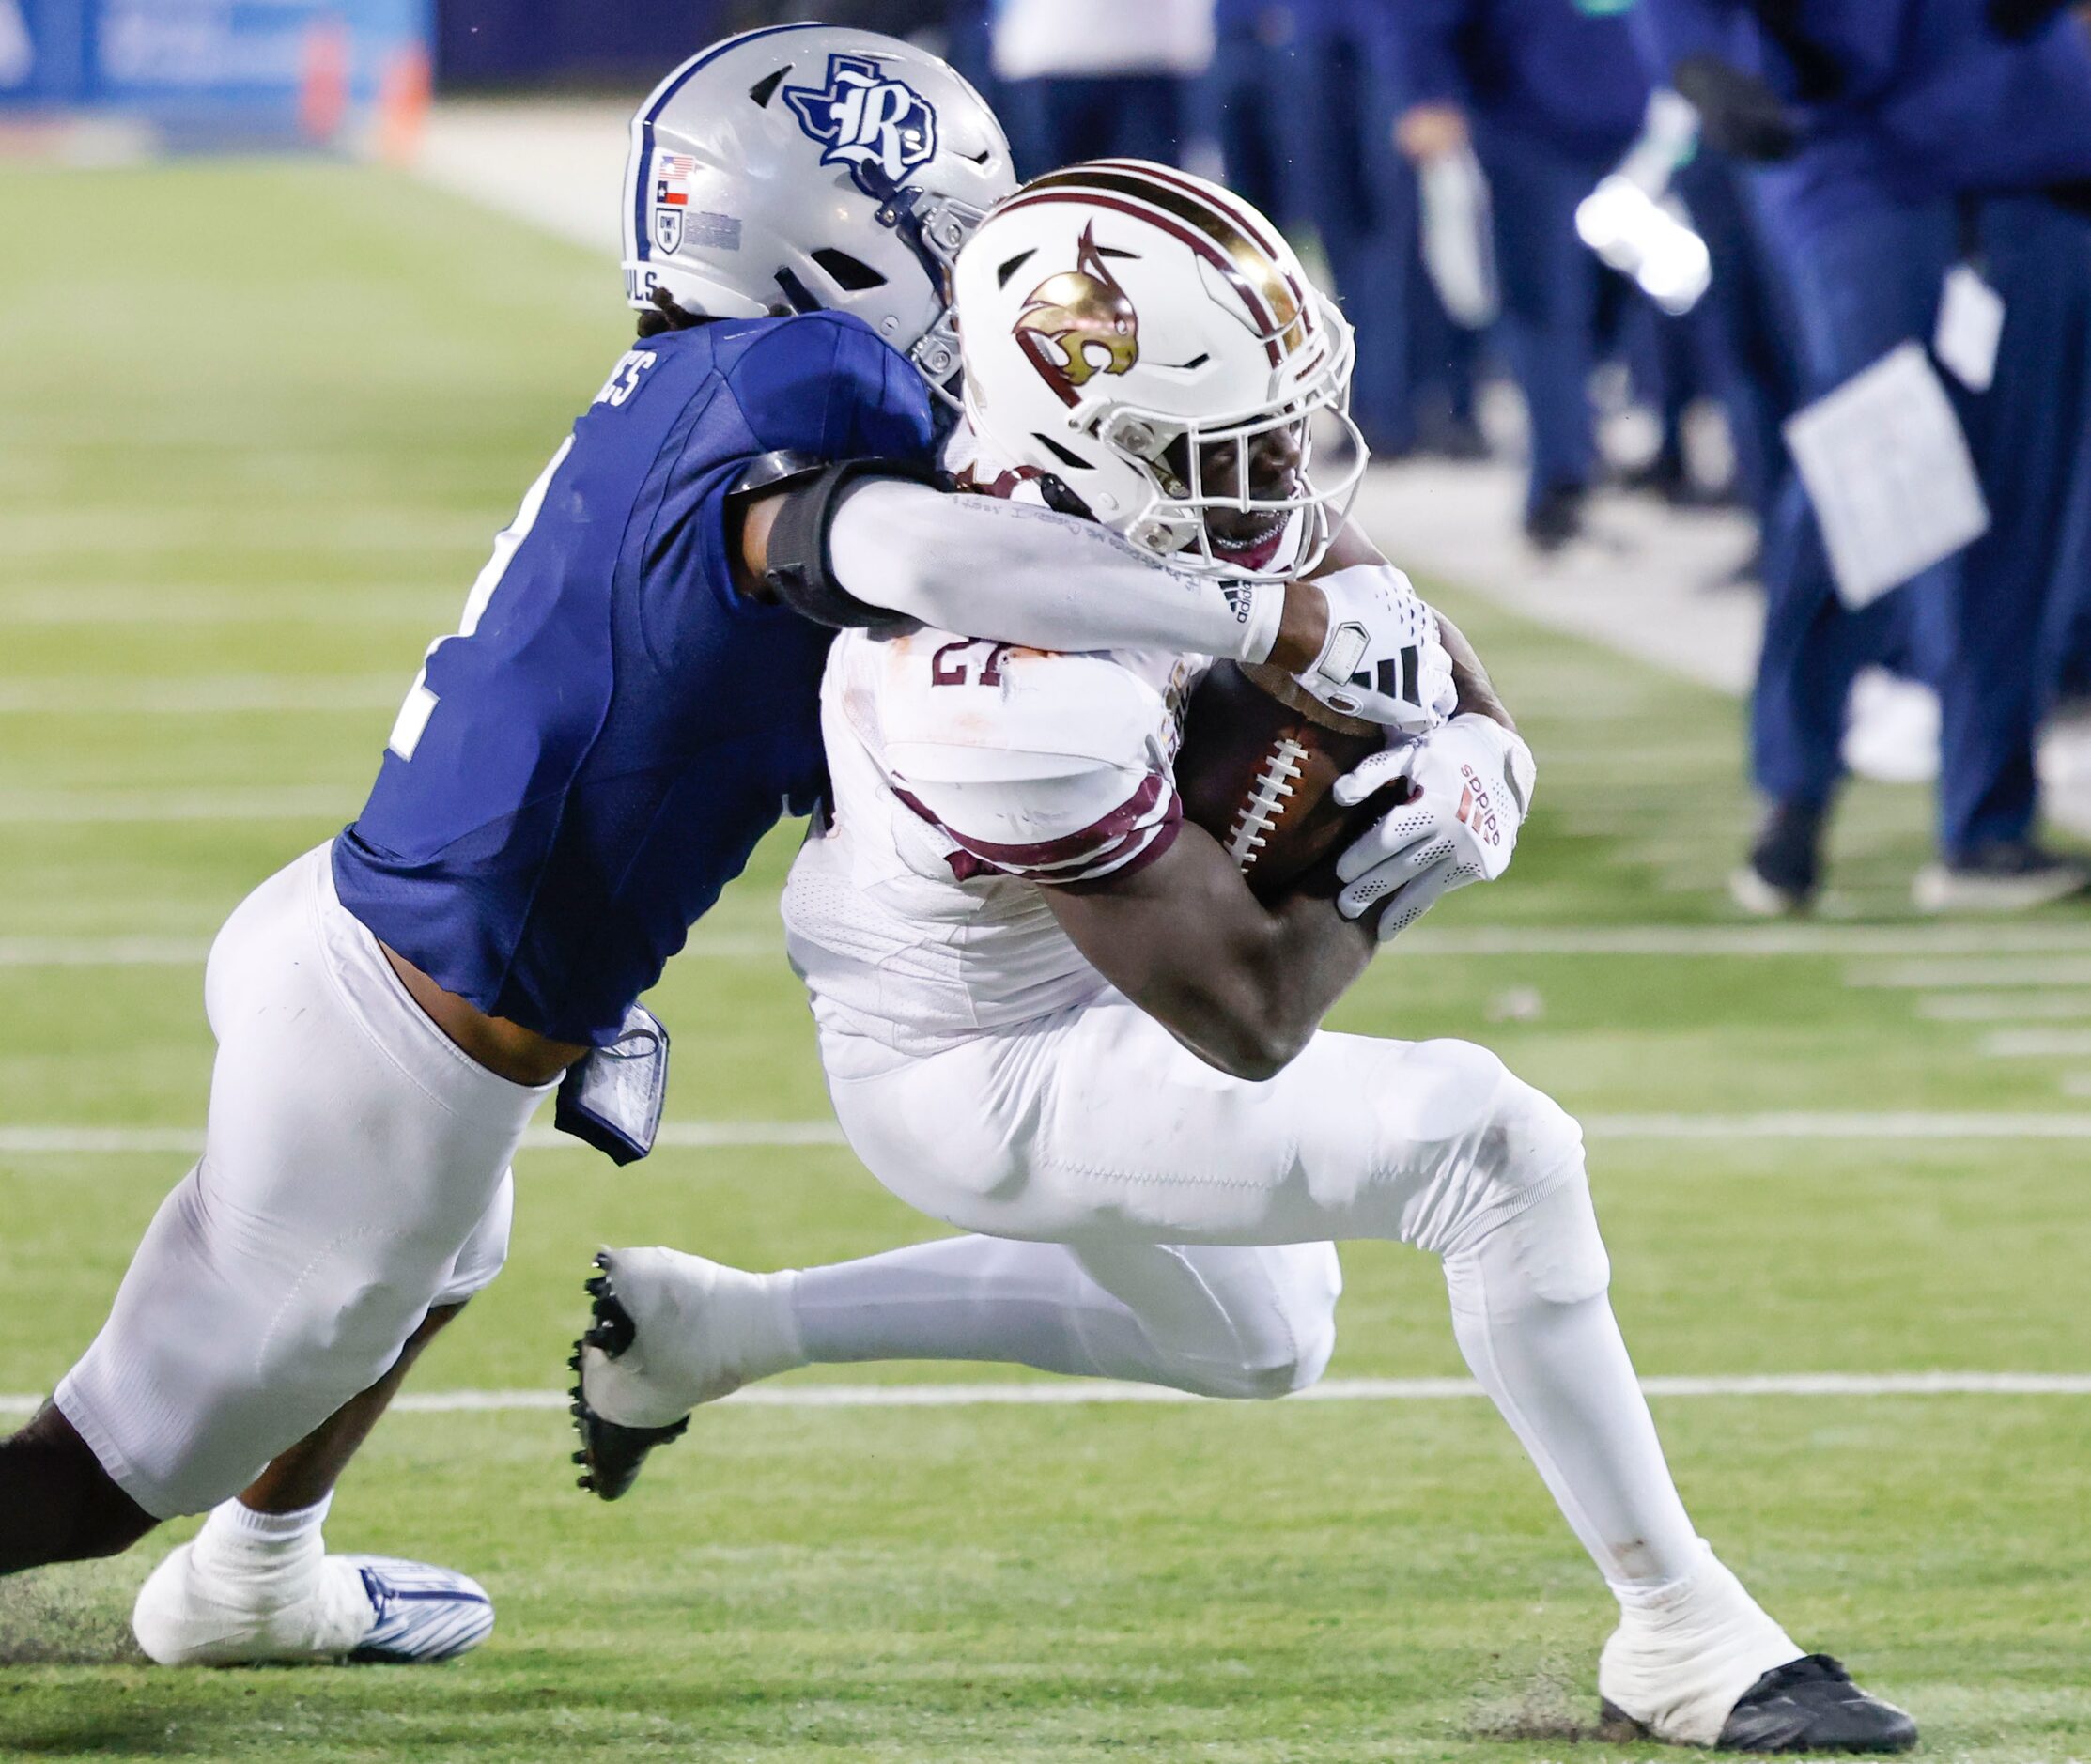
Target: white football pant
[(354, 1174), (1179, 1224)]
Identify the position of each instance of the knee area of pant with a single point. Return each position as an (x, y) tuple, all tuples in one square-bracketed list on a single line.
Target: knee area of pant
[(1556, 1249), (1262, 1377), (1530, 1141), (1292, 1347)]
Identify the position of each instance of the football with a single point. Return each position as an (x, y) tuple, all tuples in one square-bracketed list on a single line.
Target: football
[(1259, 760)]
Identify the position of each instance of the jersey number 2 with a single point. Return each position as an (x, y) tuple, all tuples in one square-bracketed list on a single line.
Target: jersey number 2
[(421, 702)]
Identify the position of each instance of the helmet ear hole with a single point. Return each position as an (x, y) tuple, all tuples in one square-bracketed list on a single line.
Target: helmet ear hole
[(800, 296), (1066, 456), (852, 275), (766, 88)]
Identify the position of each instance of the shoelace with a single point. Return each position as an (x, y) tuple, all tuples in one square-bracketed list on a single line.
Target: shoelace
[(1808, 1669)]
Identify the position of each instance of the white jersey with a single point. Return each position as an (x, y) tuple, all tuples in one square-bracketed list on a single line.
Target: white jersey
[(967, 776)]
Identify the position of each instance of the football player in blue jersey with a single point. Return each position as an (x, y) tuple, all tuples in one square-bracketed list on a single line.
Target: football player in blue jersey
[(629, 704)]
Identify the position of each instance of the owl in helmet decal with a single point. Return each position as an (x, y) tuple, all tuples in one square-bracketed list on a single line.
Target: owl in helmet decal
[(1078, 323)]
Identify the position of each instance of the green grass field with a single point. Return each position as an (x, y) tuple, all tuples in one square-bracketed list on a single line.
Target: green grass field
[(250, 462)]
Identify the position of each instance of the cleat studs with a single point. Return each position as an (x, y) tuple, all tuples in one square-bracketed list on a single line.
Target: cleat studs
[(581, 1457)]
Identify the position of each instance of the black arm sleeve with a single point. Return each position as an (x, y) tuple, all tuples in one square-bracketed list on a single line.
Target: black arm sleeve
[(799, 571)]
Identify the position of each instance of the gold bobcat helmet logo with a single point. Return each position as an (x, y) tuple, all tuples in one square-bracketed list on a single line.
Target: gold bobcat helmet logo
[(1078, 323)]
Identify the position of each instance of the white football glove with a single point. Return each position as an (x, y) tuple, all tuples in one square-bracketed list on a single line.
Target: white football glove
[(1472, 783), (1383, 659)]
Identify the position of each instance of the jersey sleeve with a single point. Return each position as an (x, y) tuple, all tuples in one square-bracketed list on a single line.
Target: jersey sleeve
[(824, 385), (820, 385), (1068, 782)]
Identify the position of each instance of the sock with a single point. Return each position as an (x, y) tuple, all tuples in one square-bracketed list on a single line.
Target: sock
[(273, 1556), (970, 1298), (1546, 1348)]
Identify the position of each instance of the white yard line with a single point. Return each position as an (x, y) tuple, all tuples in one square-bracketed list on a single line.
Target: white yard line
[(1975, 973), (1915, 1124), (2036, 1043), (1759, 941), (208, 695), (1919, 1124), (1084, 1392), (2005, 1007)]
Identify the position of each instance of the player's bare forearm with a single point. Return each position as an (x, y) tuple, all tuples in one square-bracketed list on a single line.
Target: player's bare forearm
[(1477, 691), (1243, 985), (1303, 629)]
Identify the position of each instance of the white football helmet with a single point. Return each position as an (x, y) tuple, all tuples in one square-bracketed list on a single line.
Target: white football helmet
[(1150, 340), (803, 168)]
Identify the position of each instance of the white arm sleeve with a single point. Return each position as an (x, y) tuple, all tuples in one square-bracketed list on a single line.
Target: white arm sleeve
[(1016, 574)]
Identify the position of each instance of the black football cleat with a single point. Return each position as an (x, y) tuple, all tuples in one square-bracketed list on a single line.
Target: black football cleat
[(1785, 867), (1811, 1704), (610, 1454), (1556, 519), (1807, 1705)]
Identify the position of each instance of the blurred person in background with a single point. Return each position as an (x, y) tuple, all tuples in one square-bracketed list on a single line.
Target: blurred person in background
[(1737, 343), (1550, 95), (1898, 140), (1097, 79), (1298, 103)]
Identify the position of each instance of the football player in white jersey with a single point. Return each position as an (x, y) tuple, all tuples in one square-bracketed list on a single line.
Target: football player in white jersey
[(1052, 1013), (792, 203)]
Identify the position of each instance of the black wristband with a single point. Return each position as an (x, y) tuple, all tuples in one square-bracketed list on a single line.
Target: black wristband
[(799, 572)]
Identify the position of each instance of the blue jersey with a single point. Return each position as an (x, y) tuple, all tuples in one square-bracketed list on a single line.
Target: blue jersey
[(592, 757), (1563, 70)]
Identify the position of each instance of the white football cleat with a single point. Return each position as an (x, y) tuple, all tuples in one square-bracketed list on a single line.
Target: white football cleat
[(363, 1609), (670, 1331)]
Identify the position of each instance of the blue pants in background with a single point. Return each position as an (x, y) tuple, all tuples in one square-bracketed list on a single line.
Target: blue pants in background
[(2069, 615), (1235, 106), (1551, 295), (1054, 122), (1305, 131), (1747, 329), (1863, 283)]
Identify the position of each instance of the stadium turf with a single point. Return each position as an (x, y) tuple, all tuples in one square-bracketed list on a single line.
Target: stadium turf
[(258, 423)]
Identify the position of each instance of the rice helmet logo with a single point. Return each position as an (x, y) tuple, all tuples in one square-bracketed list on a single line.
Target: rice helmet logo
[(1078, 323), (864, 119)]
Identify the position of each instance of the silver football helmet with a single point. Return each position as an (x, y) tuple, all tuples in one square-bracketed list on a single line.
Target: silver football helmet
[(805, 167)]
